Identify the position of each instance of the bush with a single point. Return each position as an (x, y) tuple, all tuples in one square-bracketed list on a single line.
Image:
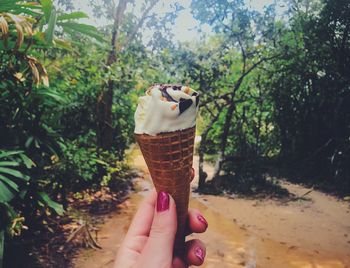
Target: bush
[(82, 166)]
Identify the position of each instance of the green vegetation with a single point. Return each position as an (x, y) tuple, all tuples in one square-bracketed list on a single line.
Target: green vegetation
[(275, 97)]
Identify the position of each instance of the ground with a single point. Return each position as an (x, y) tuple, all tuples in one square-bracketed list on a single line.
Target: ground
[(310, 232)]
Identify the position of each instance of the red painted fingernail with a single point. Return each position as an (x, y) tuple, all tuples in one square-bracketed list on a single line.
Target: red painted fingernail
[(163, 201), (202, 220), (199, 253)]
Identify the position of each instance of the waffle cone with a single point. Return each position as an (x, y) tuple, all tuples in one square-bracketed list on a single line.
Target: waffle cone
[(169, 157)]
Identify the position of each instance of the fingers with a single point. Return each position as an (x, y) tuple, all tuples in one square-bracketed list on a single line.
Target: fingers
[(158, 251), (192, 173), (178, 263), (195, 252), (196, 223), (141, 224), (137, 234)]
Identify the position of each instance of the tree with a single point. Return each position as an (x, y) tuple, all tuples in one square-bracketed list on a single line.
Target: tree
[(248, 33), (123, 34), (310, 88), (28, 30)]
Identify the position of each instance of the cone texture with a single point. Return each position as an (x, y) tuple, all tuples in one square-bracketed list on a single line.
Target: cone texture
[(169, 157)]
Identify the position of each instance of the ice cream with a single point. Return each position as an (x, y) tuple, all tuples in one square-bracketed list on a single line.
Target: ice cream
[(165, 129), (166, 108)]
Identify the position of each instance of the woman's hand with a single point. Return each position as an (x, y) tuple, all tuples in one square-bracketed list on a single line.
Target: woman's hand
[(150, 238)]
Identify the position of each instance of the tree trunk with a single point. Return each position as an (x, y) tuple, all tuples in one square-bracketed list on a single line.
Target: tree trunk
[(202, 174), (105, 98), (229, 116), (104, 117), (224, 137)]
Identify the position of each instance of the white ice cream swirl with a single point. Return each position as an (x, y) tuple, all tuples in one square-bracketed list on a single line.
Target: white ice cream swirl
[(166, 108)]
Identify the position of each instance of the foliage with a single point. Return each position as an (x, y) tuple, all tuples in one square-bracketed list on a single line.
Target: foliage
[(310, 89), (117, 177), (15, 189), (29, 31), (83, 166), (292, 107), (274, 94), (10, 177), (77, 167)]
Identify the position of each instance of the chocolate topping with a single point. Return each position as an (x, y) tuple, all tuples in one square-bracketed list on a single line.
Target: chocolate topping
[(166, 108), (184, 104), (163, 88), (166, 95), (173, 86)]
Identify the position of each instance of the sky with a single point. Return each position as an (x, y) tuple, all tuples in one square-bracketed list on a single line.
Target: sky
[(185, 24)]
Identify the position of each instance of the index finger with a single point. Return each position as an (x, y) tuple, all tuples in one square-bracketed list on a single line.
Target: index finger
[(142, 221)]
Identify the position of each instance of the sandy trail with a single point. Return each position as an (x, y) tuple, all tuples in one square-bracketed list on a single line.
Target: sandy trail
[(246, 233)]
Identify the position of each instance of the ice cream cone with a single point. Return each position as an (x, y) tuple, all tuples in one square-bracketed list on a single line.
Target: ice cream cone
[(169, 157)]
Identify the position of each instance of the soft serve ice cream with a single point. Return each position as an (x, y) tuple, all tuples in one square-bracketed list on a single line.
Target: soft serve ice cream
[(166, 108), (165, 130)]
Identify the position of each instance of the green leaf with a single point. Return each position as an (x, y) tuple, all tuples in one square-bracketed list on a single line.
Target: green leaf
[(49, 33), (33, 9), (2, 243), (54, 95), (84, 29), (72, 16), (15, 7), (9, 164), (29, 141), (58, 208), (47, 8), (4, 154), (29, 163), (31, 5), (100, 162), (63, 44), (6, 194), (12, 172), (9, 182), (7, 5)]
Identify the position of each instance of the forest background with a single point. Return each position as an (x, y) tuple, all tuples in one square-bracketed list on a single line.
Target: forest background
[(275, 97)]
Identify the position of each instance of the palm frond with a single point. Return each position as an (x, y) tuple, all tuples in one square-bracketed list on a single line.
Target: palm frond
[(38, 71), (35, 72), (22, 24), (4, 27)]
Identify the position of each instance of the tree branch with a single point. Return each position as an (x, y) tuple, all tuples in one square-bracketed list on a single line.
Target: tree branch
[(144, 16), (118, 18), (227, 96)]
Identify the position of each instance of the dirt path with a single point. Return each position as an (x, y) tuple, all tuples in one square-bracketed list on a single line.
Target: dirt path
[(247, 233)]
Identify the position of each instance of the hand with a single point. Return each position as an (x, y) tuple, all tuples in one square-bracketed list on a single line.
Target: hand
[(150, 238)]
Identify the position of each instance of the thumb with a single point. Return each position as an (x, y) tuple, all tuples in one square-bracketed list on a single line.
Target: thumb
[(158, 251)]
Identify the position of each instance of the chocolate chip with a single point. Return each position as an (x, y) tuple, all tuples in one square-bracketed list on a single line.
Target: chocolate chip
[(176, 87), (166, 95), (184, 104)]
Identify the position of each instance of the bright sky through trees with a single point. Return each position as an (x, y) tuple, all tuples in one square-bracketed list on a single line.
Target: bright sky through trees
[(185, 25)]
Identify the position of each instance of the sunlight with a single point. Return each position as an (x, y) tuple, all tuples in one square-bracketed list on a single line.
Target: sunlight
[(185, 26), (229, 118)]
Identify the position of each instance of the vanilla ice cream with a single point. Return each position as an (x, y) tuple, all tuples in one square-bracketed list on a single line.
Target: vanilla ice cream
[(166, 108)]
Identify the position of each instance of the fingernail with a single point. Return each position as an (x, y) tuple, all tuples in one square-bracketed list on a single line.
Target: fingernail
[(202, 220), (199, 253), (162, 201)]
